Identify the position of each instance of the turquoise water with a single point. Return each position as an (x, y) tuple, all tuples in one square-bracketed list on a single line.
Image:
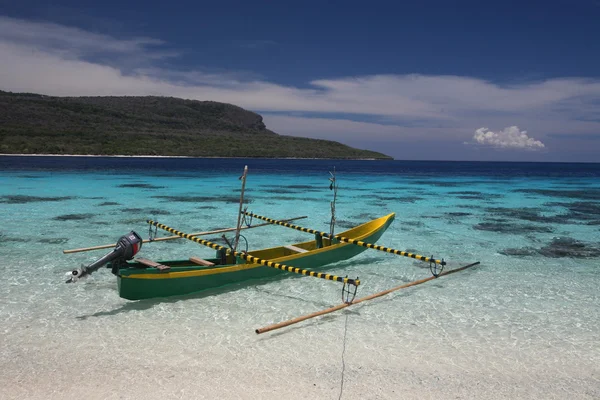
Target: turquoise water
[(523, 324)]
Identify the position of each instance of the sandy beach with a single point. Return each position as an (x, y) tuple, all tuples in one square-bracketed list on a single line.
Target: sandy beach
[(385, 356)]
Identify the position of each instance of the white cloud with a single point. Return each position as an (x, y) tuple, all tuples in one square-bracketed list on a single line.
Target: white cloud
[(508, 138), (71, 42)]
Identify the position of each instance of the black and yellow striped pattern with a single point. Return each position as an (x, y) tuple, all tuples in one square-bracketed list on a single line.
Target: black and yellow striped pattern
[(347, 240), (256, 260)]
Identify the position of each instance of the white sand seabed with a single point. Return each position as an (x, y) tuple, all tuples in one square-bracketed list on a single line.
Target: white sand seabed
[(222, 358)]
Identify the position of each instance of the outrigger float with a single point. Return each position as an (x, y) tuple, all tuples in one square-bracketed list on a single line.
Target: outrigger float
[(139, 278)]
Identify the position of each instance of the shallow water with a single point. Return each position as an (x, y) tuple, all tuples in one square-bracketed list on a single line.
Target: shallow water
[(523, 324)]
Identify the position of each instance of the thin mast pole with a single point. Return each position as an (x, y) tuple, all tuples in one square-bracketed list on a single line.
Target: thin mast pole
[(239, 221)]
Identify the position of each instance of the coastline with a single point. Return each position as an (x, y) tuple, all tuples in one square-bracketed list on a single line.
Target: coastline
[(207, 157)]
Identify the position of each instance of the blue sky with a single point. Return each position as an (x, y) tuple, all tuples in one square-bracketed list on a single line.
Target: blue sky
[(464, 80)]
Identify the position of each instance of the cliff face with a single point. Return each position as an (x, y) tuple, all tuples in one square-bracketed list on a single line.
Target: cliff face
[(157, 114), (32, 123)]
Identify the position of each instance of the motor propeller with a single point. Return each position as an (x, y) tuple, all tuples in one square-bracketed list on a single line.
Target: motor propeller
[(127, 247)]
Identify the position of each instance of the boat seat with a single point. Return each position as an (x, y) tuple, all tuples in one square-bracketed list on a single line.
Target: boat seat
[(154, 264), (296, 249), (201, 261)]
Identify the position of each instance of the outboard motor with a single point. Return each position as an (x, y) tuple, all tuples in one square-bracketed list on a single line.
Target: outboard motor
[(127, 247)]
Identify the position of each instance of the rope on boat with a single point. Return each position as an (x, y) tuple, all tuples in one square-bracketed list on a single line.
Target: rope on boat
[(351, 241), (256, 260), (247, 222)]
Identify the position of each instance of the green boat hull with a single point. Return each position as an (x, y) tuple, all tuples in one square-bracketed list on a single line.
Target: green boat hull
[(184, 277)]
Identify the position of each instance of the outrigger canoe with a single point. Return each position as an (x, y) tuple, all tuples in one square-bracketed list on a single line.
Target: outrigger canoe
[(142, 279), (139, 278)]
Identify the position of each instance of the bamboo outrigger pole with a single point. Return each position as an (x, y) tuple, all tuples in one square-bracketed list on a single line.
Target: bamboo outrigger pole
[(370, 297), (112, 245), (256, 260), (348, 240)]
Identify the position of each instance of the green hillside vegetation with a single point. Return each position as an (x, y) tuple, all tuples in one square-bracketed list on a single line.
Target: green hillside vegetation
[(166, 126)]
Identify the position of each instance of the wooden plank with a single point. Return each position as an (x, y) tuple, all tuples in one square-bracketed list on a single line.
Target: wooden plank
[(201, 261), (154, 264), (296, 249)]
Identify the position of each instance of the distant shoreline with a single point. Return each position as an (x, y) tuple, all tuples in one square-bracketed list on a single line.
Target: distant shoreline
[(150, 156)]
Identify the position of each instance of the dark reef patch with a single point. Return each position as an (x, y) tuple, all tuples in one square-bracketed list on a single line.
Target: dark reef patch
[(572, 183), (437, 183), (288, 190), (569, 247), (584, 194), (202, 199), (5, 239), (14, 240), (151, 211), (108, 203), (401, 199), (135, 221), (578, 211), (385, 198), (217, 239), (584, 211), (31, 176), (73, 217), (530, 214), (358, 189), (409, 199), (364, 217), (53, 240), (417, 224), (341, 223), (499, 226), (584, 207), (467, 192), (23, 199), (480, 196), (131, 210), (140, 186), (458, 214), (304, 187), (520, 252), (285, 198), (155, 211)]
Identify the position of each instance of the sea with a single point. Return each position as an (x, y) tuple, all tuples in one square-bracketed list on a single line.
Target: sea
[(523, 324)]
